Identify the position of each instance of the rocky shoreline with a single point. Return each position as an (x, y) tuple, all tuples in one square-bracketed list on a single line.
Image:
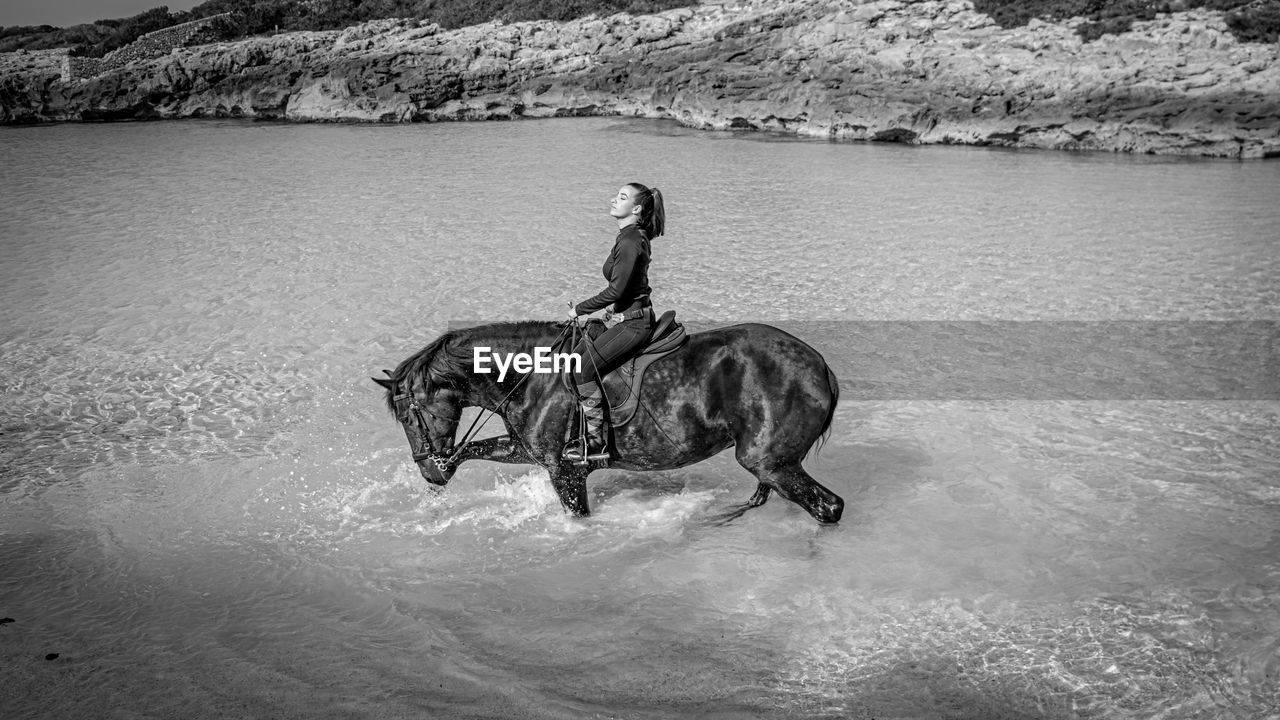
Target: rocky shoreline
[(927, 72)]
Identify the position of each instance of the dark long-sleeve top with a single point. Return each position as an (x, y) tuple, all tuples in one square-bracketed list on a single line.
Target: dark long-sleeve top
[(627, 271)]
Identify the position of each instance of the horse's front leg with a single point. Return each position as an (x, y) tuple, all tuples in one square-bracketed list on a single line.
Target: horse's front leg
[(503, 449), (570, 482)]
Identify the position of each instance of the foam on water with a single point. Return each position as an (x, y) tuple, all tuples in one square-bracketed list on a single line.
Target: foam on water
[(405, 503), (515, 517)]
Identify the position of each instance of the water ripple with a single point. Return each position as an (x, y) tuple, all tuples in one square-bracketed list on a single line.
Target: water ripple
[(77, 405)]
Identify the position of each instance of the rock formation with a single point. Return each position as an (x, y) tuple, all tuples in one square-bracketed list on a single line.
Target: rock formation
[(919, 71)]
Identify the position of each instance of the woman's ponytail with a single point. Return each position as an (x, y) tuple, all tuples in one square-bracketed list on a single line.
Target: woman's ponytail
[(657, 215), (653, 215)]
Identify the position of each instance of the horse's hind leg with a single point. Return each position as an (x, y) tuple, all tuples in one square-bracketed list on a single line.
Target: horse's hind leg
[(796, 485)]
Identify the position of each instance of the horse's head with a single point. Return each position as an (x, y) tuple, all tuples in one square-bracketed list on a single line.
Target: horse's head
[(430, 421)]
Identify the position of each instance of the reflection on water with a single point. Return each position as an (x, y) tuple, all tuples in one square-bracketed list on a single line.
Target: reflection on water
[(206, 511)]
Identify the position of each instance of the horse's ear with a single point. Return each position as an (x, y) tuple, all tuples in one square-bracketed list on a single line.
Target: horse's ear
[(385, 383), (388, 372)]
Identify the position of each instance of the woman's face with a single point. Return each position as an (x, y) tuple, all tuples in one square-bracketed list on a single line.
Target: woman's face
[(623, 204)]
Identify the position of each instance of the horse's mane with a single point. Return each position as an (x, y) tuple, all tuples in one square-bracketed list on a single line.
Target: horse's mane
[(446, 361)]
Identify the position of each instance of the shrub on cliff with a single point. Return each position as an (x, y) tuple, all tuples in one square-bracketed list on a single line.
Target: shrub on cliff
[(45, 37), (459, 13), (23, 37), (253, 17), (338, 14), (1249, 20), (1258, 22)]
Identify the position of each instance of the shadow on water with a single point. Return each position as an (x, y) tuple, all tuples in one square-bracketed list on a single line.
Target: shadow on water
[(874, 475), (936, 687), (641, 485), (724, 517)]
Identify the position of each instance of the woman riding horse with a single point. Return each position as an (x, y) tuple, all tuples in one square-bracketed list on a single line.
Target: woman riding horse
[(750, 387), (641, 217)]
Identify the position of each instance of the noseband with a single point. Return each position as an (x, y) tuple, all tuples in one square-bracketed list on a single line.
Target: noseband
[(443, 464)]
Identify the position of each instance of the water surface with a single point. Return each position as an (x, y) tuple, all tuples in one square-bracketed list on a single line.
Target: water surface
[(206, 511)]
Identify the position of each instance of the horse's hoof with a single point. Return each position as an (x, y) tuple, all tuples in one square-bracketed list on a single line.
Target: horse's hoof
[(829, 513)]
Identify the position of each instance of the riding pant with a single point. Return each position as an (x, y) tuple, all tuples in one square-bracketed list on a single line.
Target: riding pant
[(612, 348)]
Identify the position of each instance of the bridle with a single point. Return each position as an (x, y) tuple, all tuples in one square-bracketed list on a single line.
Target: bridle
[(441, 412)]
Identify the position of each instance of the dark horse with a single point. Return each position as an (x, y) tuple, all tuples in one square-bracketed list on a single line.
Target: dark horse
[(751, 387)]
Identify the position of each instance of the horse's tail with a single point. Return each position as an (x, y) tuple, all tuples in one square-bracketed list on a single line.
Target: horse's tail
[(834, 388)]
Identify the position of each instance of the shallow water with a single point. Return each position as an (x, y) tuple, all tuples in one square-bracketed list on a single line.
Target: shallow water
[(205, 510)]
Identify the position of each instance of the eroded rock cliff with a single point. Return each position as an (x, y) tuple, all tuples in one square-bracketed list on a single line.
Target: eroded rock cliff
[(931, 71)]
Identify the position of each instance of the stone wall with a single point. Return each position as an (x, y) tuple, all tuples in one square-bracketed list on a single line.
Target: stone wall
[(153, 44), (74, 68)]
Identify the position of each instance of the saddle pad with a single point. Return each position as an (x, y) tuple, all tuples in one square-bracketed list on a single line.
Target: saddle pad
[(622, 386)]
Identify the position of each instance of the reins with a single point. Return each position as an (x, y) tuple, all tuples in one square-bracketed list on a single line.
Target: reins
[(569, 331)]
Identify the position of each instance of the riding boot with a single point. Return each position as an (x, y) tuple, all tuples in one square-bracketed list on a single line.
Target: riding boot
[(591, 400)]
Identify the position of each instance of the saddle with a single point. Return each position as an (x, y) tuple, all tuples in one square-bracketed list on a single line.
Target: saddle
[(622, 386)]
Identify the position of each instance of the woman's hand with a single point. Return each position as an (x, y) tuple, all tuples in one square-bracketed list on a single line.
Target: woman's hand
[(573, 314)]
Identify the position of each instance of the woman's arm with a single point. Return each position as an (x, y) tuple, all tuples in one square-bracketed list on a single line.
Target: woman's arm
[(625, 266)]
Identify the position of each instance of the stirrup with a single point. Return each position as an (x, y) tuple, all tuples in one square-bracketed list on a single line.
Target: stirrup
[(596, 450)]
